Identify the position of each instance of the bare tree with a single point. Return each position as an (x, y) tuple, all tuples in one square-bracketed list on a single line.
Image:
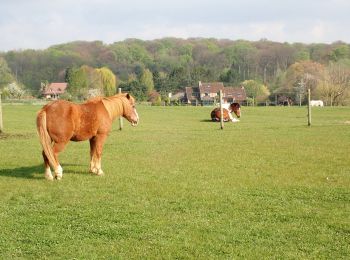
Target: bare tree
[(335, 86)]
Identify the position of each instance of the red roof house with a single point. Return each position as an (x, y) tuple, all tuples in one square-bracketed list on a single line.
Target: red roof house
[(54, 90)]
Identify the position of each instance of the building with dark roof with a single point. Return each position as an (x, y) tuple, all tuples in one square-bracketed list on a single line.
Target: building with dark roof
[(208, 94)]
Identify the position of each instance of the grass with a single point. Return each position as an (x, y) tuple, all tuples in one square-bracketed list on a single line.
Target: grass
[(178, 187)]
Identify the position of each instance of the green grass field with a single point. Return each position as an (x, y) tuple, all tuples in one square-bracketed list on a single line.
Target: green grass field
[(178, 187)]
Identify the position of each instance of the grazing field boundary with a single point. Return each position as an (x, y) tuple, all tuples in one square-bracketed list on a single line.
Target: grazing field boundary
[(177, 186)]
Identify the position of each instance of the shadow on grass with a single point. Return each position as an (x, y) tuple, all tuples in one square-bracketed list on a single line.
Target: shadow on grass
[(35, 172), (30, 172), (207, 120), (5, 136)]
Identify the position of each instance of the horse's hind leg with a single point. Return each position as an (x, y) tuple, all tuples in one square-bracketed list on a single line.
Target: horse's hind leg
[(48, 174), (57, 148)]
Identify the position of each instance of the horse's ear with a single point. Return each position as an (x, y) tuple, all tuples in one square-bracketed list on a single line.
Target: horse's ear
[(127, 96)]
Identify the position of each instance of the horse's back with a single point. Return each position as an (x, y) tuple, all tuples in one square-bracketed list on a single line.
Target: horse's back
[(77, 122)]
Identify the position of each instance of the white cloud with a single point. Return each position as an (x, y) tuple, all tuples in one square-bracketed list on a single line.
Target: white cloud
[(39, 23)]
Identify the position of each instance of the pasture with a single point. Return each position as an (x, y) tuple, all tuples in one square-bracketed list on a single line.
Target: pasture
[(178, 187)]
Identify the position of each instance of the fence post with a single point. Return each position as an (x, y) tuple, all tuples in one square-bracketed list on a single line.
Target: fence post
[(1, 125), (120, 118), (308, 107), (221, 111)]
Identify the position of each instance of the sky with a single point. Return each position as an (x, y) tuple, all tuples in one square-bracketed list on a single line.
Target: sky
[(38, 24)]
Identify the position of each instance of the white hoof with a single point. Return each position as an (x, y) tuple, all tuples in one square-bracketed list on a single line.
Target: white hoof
[(100, 172), (48, 175), (59, 173)]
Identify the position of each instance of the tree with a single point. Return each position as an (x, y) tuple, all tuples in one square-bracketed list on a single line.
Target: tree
[(259, 92), (77, 81), (335, 86), (134, 86), (13, 90), (5, 73), (302, 55), (86, 79), (340, 52), (182, 62), (146, 79), (109, 81), (301, 76), (241, 61)]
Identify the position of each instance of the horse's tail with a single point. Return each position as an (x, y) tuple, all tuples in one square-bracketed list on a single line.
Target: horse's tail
[(45, 138)]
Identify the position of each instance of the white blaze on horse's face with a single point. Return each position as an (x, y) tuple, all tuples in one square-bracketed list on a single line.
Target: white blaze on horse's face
[(132, 114), (134, 117), (239, 113)]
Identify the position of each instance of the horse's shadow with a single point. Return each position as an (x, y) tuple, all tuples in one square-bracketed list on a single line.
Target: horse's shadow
[(29, 172), (32, 172)]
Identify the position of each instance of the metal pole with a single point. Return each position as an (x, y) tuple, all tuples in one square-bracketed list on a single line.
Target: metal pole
[(1, 125), (221, 111), (308, 107), (120, 118)]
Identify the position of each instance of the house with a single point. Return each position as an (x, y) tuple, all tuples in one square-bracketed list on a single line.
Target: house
[(53, 90), (208, 94)]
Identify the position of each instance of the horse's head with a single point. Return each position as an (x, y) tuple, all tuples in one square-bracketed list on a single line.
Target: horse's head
[(236, 108), (130, 112)]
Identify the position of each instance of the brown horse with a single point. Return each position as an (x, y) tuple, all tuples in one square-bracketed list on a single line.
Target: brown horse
[(234, 107), (61, 121)]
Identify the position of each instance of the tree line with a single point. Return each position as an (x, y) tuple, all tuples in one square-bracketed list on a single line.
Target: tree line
[(166, 65)]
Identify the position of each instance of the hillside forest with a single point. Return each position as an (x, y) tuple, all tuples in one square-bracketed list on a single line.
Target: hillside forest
[(168, 65)]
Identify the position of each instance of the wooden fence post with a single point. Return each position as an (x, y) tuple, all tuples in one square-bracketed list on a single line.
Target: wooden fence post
[(308, 107), (120, 118), (1, 125), (221, 111)]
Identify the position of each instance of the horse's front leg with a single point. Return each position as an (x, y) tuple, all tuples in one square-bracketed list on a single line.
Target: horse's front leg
[(96, 147), (93, 168)]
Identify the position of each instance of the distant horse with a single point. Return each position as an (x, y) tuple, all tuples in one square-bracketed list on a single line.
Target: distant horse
[(285, 101), (61, 121), (234, 107), (316, 103)]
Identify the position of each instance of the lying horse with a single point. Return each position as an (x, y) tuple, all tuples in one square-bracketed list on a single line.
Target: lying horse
[(61, 121), (234, 107)]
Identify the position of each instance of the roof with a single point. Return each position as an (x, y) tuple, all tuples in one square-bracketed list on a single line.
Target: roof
[(55, 88), (236, 92), (200, 93), (210, 87)]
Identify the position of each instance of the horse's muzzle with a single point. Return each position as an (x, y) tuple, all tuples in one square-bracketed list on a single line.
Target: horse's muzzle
[(135, 119)]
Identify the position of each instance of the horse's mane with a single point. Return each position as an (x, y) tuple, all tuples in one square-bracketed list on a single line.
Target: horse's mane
[(116, 105), (110, 98)]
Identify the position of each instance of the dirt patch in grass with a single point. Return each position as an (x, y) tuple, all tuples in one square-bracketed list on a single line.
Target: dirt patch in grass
[(6, 136)]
